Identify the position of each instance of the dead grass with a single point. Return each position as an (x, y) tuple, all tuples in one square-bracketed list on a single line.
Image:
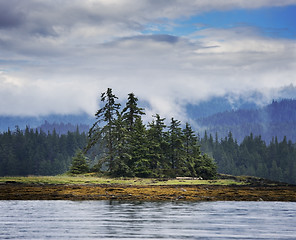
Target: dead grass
[(90, 179), (92, 187)]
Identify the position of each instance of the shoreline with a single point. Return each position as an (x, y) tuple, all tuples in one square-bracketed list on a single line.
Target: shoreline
[(122, 192)]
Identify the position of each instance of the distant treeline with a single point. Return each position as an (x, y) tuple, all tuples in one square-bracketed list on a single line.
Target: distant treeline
[(62, 128), (33, 152), (277, 119), (59, 120), (275, 161)]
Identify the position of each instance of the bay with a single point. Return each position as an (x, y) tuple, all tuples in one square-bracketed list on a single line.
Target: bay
[(147, 220)]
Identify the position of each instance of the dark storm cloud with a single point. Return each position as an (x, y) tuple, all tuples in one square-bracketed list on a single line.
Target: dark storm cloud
[(10, 15)]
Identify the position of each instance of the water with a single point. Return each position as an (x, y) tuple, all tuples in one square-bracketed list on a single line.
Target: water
[(147, 220)]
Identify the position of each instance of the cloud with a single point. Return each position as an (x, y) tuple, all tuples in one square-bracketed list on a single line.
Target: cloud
[(10, 17), (31, 98), (58, 56)]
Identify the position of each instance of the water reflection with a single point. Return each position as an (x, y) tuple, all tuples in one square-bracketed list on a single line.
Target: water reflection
[(146, 220)]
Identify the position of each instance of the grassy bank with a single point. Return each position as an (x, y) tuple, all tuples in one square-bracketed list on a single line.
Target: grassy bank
[(90, 179), (89, 187)]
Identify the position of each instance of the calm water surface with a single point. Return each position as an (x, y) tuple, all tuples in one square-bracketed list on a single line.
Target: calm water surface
[(148, 220)]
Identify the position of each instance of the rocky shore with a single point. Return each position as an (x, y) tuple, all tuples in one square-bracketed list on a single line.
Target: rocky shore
[(251, 192)]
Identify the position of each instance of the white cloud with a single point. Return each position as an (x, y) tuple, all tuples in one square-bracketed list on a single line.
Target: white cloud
[(57, 58)]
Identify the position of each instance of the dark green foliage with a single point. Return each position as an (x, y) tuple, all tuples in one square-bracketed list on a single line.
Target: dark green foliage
[(175, 145), (121, 145), (205, 168), (139, 149), (31, 152), (121, 164), (157, 144), (105, 134), (129, 148), (191, 150), (133, 134), (275, 161), (79, 164), (132, 112)]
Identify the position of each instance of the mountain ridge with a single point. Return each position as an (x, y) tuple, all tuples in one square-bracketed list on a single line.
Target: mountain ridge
[(277, 119), (240, 114)]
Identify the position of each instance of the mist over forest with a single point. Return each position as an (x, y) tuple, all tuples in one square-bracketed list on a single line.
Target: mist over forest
[(250, 140), (241, 114)]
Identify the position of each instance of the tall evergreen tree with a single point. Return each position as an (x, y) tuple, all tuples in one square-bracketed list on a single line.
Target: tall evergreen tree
[(132, 112), (191, 149), (105, 114), (122, 157), (140, 149), (131, 115), (157, 143), (175, 144)]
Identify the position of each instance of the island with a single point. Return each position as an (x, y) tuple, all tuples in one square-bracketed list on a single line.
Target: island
[(224, 188)]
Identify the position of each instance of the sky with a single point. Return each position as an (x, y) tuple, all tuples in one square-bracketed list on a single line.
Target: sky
[(58, 56)]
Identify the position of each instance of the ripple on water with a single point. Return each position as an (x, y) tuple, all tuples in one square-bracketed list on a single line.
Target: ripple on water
[(146, 220)]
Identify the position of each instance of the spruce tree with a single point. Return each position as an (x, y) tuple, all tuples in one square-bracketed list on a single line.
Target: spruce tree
[(121, 163), (191, 149), (175, 142), (105, 133), (79, 163), (131, 115), (157, 143), (139, 150), (132, 112), (205, 167)]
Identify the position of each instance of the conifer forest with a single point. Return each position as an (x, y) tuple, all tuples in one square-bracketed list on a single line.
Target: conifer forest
[(120, 144)]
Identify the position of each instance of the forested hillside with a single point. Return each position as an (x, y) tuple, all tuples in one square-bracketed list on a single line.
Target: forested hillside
[(32, 152), (64, 122), (62, 128), (36, 153), (120, 143), (217, 105), (253, 157), (277, 119)]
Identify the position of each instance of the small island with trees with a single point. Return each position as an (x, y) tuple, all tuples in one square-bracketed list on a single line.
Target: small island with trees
[(125, 147), (122, 158)]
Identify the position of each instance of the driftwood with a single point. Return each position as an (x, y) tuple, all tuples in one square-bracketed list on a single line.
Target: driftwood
[(189, 178)]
